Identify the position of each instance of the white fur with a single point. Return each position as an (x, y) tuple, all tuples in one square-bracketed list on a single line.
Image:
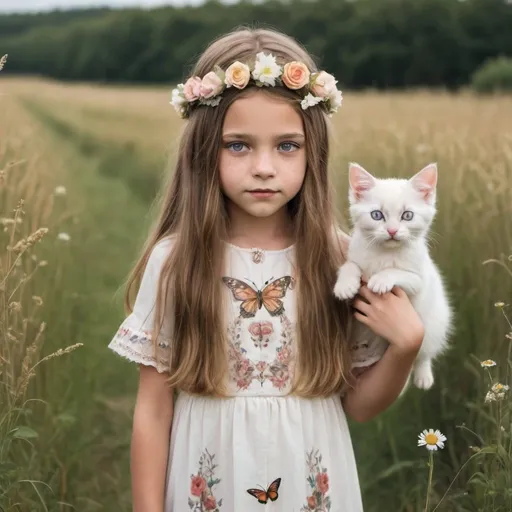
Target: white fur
[(404, 262)]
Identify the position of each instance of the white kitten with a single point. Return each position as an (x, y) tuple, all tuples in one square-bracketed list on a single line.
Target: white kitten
[(391, 219)]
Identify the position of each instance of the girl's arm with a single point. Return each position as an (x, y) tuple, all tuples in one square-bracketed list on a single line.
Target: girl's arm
[(152, 421), (391, 316)]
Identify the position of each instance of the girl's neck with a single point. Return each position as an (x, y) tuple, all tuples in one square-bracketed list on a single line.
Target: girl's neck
[(271, 233)]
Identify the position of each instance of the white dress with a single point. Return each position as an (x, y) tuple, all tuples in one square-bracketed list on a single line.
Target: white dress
[(260, 438)]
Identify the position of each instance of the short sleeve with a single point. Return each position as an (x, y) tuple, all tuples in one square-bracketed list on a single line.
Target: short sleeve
[(133, 338)]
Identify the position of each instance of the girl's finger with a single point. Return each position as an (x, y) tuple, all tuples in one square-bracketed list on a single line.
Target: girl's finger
[(361, 318), (361, 306), (398, 291), (365, 292)]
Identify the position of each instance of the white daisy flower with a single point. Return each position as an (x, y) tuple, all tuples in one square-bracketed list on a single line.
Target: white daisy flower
[(310, 101), (64, 237), (488, 363), (499, 305), (266, 69), (60, 191), (431, 439), (499, 388), (490, 397), (177, 99)]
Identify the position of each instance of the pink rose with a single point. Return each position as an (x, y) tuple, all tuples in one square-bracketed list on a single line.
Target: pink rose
[(198, 485), (266, 328), (261, 366), (211, 85), (237, 75), (283, 355), (255, 329), (295, 75), (324, 85), (322, 482), (192, 88), (261, 328), (210, 503), (279, 382), (242, 384), (311, 502)]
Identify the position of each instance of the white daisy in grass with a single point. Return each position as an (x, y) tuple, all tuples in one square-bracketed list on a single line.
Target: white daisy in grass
[(488, 363), (499, 388), (431, 439), (64, 237), (266, 69)]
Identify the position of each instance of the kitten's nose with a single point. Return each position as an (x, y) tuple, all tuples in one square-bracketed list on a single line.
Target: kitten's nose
[(392, 232)]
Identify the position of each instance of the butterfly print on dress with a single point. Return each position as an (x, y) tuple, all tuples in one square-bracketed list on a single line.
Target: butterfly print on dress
[(254, 299), (270, 494)]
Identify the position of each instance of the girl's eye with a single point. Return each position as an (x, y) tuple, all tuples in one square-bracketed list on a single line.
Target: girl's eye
[(377, 215), (237, 147), (288, 147), (407, 215)]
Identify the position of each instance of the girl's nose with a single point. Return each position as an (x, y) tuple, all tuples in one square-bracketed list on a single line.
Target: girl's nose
[(264, 166)]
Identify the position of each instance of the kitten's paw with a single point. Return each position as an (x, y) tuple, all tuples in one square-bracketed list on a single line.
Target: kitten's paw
[(381, 283), (423, 378), (347, 284)]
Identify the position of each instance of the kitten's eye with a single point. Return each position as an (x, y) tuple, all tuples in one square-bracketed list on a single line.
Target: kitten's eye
[(377, 215), (407, 215)]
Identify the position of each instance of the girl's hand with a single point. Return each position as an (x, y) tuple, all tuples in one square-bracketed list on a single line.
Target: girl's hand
[(391, 316)]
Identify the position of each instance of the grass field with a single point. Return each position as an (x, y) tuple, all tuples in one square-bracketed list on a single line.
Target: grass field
[(65, 430)]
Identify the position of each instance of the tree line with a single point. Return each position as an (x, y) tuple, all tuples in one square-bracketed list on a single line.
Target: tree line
[(365, 43)]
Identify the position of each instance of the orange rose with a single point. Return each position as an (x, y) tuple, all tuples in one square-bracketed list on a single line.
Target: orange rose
[(237, 75), (295, 75), (311, 502), (210, 503)]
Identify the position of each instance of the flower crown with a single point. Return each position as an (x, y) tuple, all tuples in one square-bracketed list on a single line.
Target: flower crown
[(318, 87)]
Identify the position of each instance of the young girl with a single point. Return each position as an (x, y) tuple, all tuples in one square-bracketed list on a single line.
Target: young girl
[(247, 366)]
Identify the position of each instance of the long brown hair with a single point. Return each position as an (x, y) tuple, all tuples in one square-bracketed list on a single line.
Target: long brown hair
[(193, 212)]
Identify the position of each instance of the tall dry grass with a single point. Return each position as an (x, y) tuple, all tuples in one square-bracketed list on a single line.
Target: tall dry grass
[(24, 209), (116, 141)]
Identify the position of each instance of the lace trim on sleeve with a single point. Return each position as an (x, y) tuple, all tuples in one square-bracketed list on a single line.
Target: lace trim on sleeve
[(137, 346)]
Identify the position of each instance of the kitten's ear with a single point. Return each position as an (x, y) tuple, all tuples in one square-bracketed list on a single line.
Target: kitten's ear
[(360, 180), (425, 181)]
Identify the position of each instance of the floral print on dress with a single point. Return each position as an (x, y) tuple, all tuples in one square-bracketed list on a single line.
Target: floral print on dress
[(280, 371), (318, 479), (260, 333), (244, 371), (201, 486)]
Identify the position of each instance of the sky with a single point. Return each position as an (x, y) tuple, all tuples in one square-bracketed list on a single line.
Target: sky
[(7, 6)]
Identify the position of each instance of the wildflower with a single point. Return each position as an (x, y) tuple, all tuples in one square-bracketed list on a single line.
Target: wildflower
[(431, 440), (310, 101), (499, 388), (499, 305), (64, 237), (266, 69), (488, 363), (509, 335), (490, 397), (60, 191), (3, 61)]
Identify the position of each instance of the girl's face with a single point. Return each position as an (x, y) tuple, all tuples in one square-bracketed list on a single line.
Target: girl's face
[(263, 156)]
